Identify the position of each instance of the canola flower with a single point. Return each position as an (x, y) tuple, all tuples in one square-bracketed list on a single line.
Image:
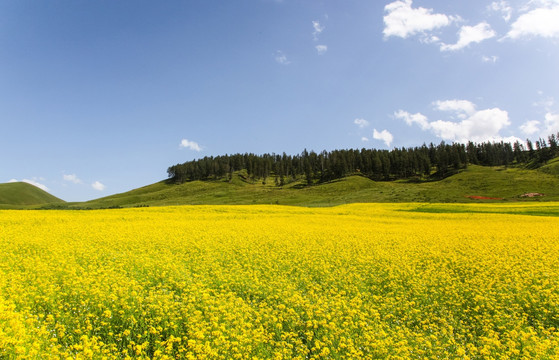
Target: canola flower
[(361, 281)]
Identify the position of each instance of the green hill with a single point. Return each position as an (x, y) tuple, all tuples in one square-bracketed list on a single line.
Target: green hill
[(506, 184), (20, 194), (552, 167)]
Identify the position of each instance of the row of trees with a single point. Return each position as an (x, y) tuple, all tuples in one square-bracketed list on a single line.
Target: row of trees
[(400, 163)]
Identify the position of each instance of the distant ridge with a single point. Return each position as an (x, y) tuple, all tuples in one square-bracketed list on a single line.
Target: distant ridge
[(21, 194), (472, 185)]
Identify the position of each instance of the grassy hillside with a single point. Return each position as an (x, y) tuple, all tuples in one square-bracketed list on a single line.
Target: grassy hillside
[(498, 182), (552, 167), (20, 194)]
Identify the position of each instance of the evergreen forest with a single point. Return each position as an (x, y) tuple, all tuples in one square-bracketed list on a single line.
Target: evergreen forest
[(427, 162)]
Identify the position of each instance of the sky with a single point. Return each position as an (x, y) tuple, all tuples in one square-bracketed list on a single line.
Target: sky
[(101, 97)]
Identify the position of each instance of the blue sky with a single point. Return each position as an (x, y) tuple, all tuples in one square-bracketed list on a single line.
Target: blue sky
[(100, 97)]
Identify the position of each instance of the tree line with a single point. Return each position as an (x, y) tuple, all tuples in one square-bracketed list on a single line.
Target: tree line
[(426, 161)]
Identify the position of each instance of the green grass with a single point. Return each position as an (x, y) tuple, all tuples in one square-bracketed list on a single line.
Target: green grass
[(551, 168), (18, 195), (497, 182), (533, 209)]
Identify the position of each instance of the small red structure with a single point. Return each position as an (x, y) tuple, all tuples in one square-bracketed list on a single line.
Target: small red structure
[(476, 197)]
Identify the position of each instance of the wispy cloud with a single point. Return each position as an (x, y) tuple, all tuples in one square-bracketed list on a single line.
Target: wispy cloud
[(192, 145), (321, 49), (362, 123), (470, 34), (318, 29), (490, 59), (98, 186), (384, 136), (281, 58), (72, 178), (402, 20), (411, 119), (545, 103), (502, 7)]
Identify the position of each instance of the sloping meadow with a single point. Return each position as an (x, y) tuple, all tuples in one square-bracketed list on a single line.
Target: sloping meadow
[(257, 282)]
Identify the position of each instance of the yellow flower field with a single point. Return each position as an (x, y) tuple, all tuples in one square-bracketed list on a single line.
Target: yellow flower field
[(360, 281)]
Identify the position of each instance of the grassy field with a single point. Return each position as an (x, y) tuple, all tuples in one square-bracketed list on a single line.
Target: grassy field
[(359, 281), (507, 184), (18, 195)]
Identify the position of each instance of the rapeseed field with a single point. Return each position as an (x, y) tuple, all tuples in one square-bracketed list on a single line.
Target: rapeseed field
[(360, 281)]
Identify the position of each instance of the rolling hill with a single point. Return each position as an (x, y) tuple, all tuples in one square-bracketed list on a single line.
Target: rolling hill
[(505, 184), (469, 185), (21, 195)]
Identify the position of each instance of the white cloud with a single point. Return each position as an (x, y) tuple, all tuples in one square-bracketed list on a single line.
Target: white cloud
[(542, 21), (546, 103), (32, 182), (534, 127), (402, 20), (432, 39), (470, 34), (364, 139), (463, 108), (190, 145), (321, 49), (362, 123), (489, 59), (551, 123), (72, 178), (98, 186), (384, 135), (281, 58), (503, 7), (411, 119), (478, 126), (317, 29), (484, 125), (530, 127)]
